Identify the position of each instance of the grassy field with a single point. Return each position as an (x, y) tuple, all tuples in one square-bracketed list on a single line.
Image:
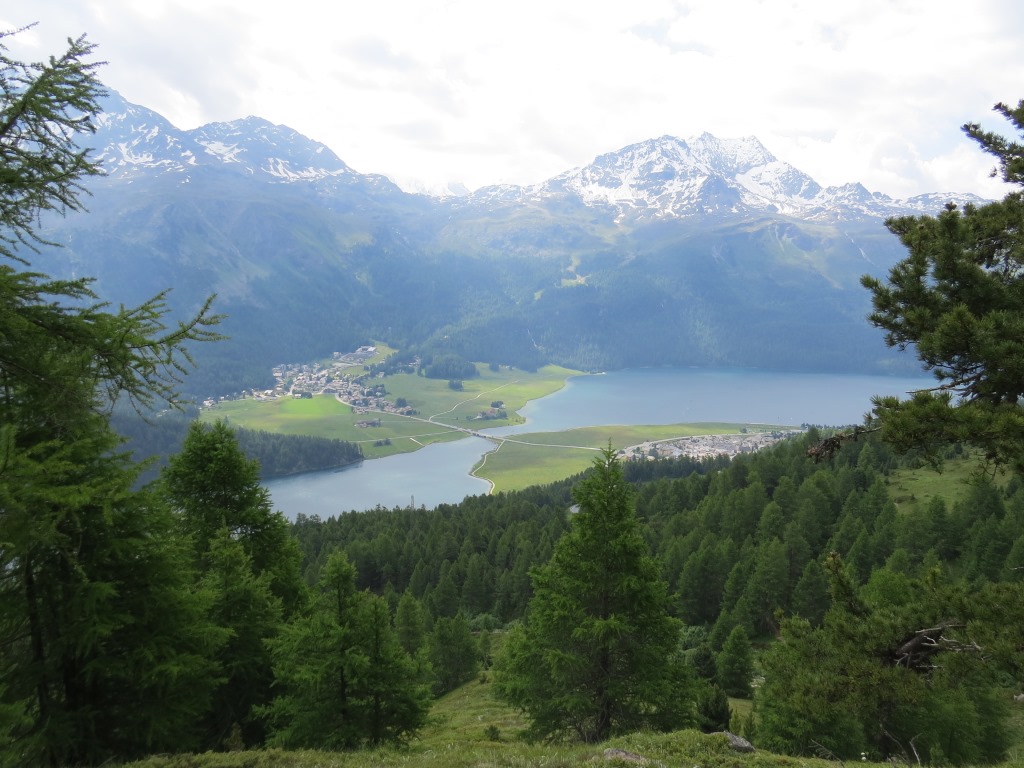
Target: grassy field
[(324, 416), (915, 488), (470, 729), (544, 457)]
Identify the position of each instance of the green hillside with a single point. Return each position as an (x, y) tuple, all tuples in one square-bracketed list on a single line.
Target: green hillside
[(470, 729)]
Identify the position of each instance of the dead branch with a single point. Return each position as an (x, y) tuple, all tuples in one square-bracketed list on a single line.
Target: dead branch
[(827, 447)]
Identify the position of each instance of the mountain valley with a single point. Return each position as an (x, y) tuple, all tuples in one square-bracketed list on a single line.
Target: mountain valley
[(708, 252)]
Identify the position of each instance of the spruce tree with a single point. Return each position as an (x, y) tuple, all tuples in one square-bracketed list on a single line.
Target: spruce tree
[(243, 605), (598, 652), (735, 664), (454, 656)]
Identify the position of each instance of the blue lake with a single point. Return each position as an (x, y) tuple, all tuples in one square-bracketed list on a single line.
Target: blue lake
[(439, 473)]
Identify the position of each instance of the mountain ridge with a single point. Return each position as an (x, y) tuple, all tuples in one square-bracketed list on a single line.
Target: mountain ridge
[(651, 179), (699, 252)]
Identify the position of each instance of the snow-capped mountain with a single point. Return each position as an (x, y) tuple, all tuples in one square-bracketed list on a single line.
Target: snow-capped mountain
[(670, 177), (132, 140), (657, 179), (704, 251)]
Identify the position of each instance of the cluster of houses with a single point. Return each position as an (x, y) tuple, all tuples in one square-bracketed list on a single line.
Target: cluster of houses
[(343, 376), (706, 446)]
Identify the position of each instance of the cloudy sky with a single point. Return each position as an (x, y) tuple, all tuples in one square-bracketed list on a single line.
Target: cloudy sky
[(483, 92)]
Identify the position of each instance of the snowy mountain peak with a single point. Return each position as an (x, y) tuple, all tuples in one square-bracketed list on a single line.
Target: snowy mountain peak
[(131, 139), (668, 177), (261, 146), (656, 179), (672, 177)]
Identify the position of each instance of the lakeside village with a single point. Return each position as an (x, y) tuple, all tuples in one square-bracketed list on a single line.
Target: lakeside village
[(345, 376), (365, 394)]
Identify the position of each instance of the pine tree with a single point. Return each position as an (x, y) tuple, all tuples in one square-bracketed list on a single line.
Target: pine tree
[(105, 651), (410, 623), (598, 652), (243, 605), (713, 712), (957, 300), (453, 654)]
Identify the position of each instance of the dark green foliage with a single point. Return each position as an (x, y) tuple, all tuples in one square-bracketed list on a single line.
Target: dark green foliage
[(896, 667), (713, 712), (216, 488), (250, 566), (242, 604), (810, 595), (735, 664), (702, 658), (279, 455), (410, 624), (343, 678), (453, 654), (155, 437), (489, 543), (598, 652), (105, 648), (450, 367), (957, 298)]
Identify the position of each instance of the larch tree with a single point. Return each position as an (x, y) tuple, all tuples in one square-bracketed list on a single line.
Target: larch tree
[(598, 653), (343, 678), (216, 490), (250, 565), (105, 651)]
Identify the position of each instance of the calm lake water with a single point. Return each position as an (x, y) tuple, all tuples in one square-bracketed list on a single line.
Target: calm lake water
[(439, 473)]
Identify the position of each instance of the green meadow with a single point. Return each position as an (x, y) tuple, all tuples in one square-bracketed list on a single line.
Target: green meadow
[(447, 414), (469, 728), (454, 411), (544, 457)]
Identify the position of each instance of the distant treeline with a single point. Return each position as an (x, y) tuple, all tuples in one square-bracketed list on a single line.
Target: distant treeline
[(156, 437)]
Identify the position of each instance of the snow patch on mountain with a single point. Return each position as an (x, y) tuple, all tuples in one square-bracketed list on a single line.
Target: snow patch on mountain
[(670, 177), (657, 179), (132, 139)]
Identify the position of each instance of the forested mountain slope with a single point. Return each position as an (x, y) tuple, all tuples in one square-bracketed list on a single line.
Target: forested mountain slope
[(744, 547), (699, 252)]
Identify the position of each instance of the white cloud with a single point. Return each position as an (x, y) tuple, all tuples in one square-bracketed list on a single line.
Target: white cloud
[(442, 90)]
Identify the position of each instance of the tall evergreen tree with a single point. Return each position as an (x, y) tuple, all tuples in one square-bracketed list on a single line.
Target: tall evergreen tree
[(598, 652), (453, 654), (105, 652), (957, 299), (216, 489), (344, 679), (735, 664), (243, 605)]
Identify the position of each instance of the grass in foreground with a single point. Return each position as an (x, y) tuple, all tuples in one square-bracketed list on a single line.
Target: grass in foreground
[(461, 735)]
